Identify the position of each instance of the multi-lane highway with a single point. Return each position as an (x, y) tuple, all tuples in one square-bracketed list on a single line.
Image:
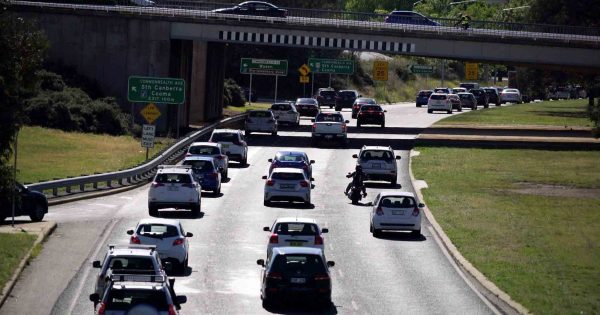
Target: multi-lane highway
[(394, 274)]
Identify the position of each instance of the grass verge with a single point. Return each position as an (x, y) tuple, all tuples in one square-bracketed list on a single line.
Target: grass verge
[(528, 219), (49, 153), (13, 247), (556, 113)]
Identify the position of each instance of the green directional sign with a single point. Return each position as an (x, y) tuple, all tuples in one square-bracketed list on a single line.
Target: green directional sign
[(336, 66), (156, 90), (420, 69), (264, 66)]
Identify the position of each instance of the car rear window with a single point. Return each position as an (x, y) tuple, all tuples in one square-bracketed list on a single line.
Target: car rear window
[(366, 101), (203, 150), (490, 91), (264, 114), (465, 96), (376, 155), (289, 158), (126, 299), (330, 117), (224, 137), (446, 91), (306, 101), (281, 107), (157, 230), (397, 202), (137, 265), (296, 228), (173, 178), (365, 108), (298, 264), (346, 94), (327, 93), (438, 97), (200, 165), (287, 176), (425, 93), (477, 92)]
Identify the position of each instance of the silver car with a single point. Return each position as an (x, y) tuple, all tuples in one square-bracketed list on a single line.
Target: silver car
[(378, 163), (261, 121), (287, 184), (286, 113)]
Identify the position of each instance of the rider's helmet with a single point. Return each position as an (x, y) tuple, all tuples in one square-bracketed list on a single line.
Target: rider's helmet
[(358, 168)]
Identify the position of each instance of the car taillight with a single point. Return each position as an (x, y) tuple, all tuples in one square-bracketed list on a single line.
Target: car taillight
[(178, 241), (379, 211), (344, 127), (275, 275), (304, 183), (155, 184), (270, 182), (318, 240), (101, 308), (172, 310), (380, 113), (314, 126), (274, 239), (190, 185), (321, 277), (134, 240), (416, 212)]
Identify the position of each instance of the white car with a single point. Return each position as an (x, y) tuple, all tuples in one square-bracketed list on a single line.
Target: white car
[(294, 231), (439, 101), (233, 142), (261, 121), (286, 113), (399, 211), (174, 186), (287, 184), (211, 149), (510, 95), (168, 236), (378, 163)]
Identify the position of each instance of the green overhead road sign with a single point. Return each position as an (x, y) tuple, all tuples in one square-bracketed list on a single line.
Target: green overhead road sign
[(336, 66), (264, 66), (156, 90), (420, 69)]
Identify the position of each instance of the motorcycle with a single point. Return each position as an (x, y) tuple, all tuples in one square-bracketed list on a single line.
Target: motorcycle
[(355, 194)]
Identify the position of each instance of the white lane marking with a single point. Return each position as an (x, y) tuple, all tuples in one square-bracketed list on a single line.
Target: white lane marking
[(460, 273), (340, 273), (330, 246), (87, 269), (354, 305), (105, 205), (125, 197)]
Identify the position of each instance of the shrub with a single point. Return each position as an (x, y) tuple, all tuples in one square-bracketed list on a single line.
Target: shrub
[(50, 81), (233, 94)]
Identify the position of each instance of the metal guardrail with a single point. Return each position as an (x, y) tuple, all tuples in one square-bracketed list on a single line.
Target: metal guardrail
[(341, 19), (130, 176)]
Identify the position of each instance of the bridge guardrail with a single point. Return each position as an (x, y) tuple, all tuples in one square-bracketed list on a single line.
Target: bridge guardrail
[(133, 175)]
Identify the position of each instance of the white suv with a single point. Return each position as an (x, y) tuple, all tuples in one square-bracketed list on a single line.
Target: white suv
[(439, 101), (294, 231), (174, 186), (233, 142), (378, 163), (287, 184), (399, 211)]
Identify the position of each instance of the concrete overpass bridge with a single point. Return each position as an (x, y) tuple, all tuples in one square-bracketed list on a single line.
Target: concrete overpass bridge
[(110, 43)]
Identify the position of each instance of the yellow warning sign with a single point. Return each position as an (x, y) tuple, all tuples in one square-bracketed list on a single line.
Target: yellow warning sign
[(471, 71), (304, 70), (304, 79), (380, 70), (150, 113)]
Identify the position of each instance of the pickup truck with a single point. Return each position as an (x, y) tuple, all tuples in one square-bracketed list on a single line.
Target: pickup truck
[(329, 126)]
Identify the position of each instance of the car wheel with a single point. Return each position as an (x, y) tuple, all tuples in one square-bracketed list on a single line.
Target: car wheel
[(450, 112), (460, 109), (266, 203), (226, 175), (474, 107), (418, 105), (38, 213), (358, 124), (376, 232), (152, 211), (337, 109), (486, 106), (394, 181), (244, 161), (429, 111), (247, 133), (196, 210), (371, 228), (217, 191), (383, 124), (416, 232)]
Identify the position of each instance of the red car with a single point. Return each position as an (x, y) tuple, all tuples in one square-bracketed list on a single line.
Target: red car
[(359, 102), (371, 114)]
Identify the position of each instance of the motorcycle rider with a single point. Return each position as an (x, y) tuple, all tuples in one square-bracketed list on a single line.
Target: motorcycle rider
[(358, 178)]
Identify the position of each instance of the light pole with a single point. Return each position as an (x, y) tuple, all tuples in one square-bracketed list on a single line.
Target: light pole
[(15, 176), (415, 3), (517, 8)]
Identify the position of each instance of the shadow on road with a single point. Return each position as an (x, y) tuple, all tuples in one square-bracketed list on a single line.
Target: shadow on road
[(289, 205), (179, 214), (301, 307), (401, 236)]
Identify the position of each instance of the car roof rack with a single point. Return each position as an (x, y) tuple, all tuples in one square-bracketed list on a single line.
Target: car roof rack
[(131, 246), (137, 278)]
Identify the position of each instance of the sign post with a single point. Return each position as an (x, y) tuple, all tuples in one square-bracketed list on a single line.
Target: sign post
[(263, 67), (148, 137)]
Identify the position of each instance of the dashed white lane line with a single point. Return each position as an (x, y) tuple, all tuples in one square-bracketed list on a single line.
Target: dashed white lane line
[(354, 305), (105, 205), (330, 246), (340, 273), (126, 197)]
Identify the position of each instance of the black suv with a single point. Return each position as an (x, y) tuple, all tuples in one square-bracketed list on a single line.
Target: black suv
[(345, 99), (492, 95), (29, 202), (481, 97), (296, 273), (371, 114), (326, 97)]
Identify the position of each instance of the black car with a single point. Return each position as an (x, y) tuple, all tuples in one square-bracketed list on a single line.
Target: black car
[(254, 8), (481, 96), (345, 99), (371, 114), (423, 97), (409, 17), (326, 97), (307, 107), (493, 96), (296, 273), (28, 202)]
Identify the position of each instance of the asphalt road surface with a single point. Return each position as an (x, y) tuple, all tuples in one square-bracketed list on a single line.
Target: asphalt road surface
[(395, 274)]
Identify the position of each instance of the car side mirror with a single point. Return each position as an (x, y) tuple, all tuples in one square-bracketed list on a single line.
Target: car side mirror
[(168, 266), (130, 232), (260, 262), (330, 263), (421, 205), (398, 157), (96, 264), (312, 161), (324, 230), (385, 111), (270, 160), (189, 234), (181, 299), (347, 121), (266, 229), (312, 179), (359, 95), (355, 156), (95, 297), (264, 177)]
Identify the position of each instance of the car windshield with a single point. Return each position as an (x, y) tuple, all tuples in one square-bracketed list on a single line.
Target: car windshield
[(137, 265), (329, 117), (261, 114), (296, 228), (156, 229), (281, 107), (398, 202), (287, 176), (376, 155), (298, 264), (224, 137), (202, 165), (125, 299), (166, 178), (366, 108), (438, 97), (510, 91), (203, 150)]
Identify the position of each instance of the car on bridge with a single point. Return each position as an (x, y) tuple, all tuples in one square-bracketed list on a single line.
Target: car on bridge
[(254, 8), (211, 149), (286, 113), (307, 107), (174, 186), (397, 211), (423, 97), (233, 142), (371, 114), (409, 17), (294, 231), (29, 202), (360, 102), (294, 159), (287, 184), (296, 273), (206, 171), (260, 121)]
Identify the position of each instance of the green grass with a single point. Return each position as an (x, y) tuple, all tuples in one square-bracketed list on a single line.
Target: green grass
[(544, 251), (248, 107), (555, 113), (13, 248), (49, 153)]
